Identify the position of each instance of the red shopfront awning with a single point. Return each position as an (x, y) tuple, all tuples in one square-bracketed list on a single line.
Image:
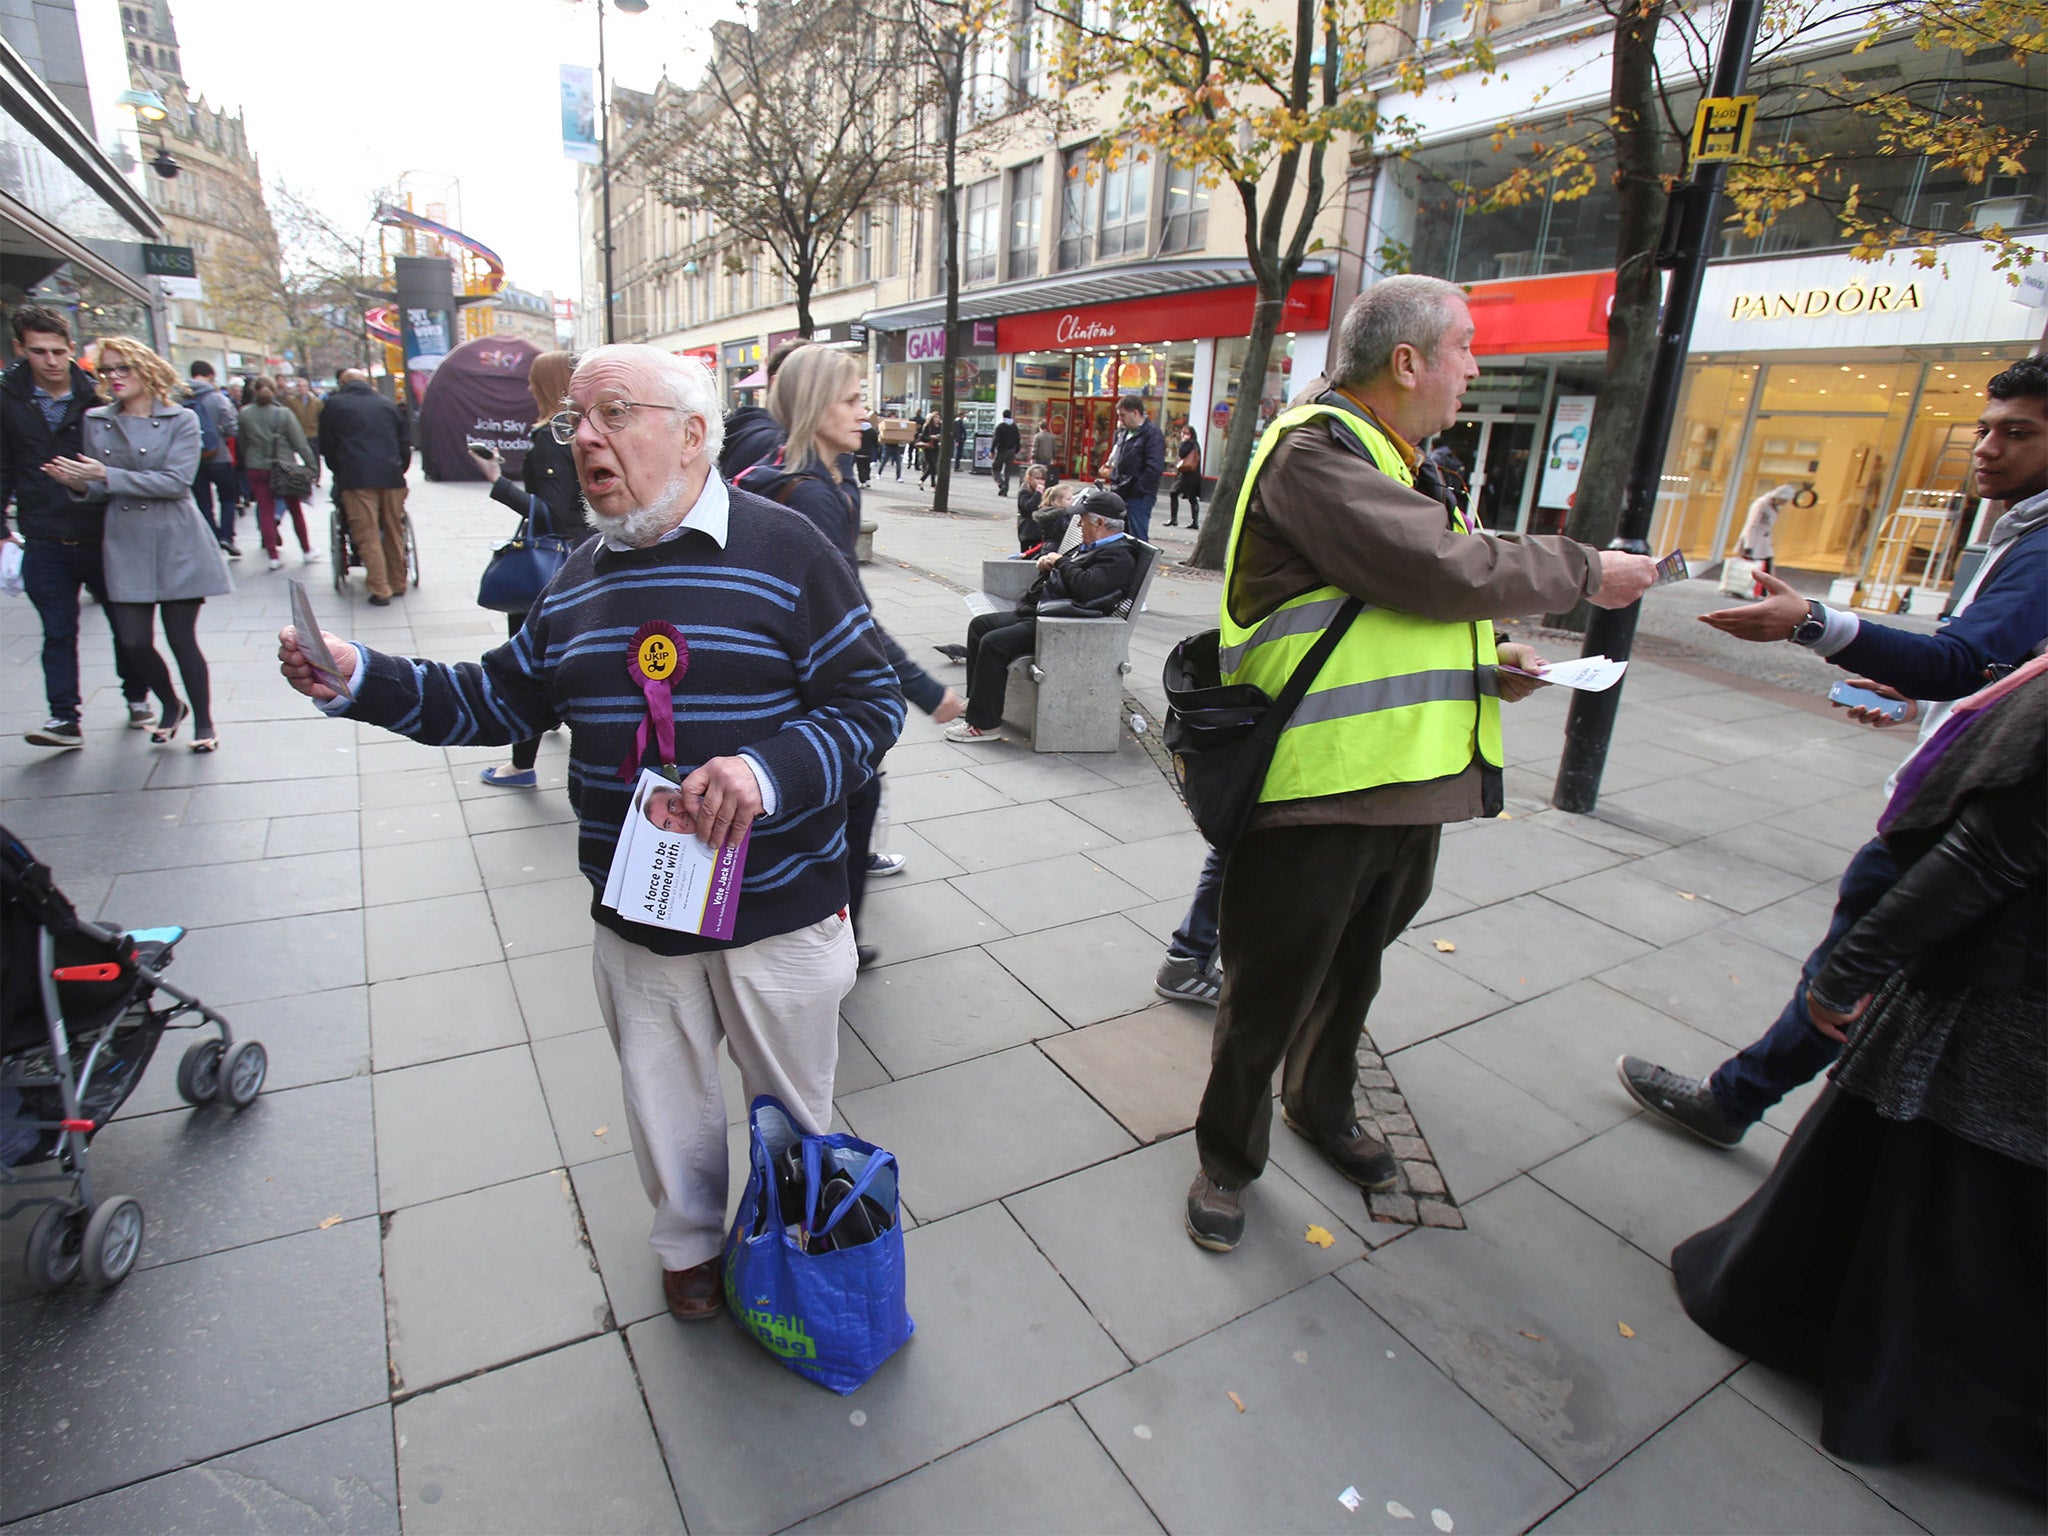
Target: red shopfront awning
[(1161, 317), (1566, 313)]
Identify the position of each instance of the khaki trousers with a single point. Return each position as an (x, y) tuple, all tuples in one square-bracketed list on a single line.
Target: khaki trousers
[(774, 1002), (376, 521)]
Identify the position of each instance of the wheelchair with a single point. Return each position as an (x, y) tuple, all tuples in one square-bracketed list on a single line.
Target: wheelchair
[(342, 546)]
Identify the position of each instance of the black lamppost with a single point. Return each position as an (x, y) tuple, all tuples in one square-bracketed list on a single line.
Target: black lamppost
[(604, 142)]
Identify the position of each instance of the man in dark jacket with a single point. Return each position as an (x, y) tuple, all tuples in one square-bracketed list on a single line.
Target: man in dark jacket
[(1101, 565), (1992, 626), (217, 477), (1136, 464), (960, 440), (1002, 450), (363, 440), (43, 398), (751, 433)]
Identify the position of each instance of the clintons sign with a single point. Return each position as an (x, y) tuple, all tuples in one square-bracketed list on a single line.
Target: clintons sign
[(1163, 317)]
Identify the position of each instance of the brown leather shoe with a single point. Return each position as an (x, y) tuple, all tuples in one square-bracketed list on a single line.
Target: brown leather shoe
[(694, 1294)]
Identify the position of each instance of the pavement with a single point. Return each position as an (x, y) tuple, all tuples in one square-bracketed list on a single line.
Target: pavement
[(410, 1289)]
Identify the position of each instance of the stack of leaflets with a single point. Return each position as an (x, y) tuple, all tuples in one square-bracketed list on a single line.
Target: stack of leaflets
[(667, 877)]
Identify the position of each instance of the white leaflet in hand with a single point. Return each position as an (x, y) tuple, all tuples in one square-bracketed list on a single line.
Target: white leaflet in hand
[(669, 879), (313, 644), (1594, 674)]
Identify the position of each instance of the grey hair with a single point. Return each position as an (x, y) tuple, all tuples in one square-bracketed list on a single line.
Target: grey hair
[(685, 381), (1409, 309)]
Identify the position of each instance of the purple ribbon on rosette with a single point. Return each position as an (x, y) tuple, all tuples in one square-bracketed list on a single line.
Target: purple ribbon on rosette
[(656, 659)]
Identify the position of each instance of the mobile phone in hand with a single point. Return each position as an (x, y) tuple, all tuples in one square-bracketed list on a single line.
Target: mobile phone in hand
[(483, 450), (1851, 697)]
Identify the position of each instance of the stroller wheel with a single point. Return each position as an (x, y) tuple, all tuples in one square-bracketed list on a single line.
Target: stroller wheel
[(199, 1072), (242, 1072), (55, 1246), (113, 1238)]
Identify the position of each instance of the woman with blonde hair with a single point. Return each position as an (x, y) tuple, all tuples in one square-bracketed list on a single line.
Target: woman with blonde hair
[(816, 400), (549, 473), (141, 454)]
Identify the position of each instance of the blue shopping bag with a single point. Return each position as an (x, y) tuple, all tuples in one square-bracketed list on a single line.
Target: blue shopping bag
[(832, 1316)]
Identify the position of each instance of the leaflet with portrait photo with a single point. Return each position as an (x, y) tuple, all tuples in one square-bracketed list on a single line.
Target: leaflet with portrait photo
[(669, 878)]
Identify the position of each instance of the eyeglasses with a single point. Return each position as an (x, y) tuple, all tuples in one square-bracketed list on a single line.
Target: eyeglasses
[(115, 370), (608, 416)]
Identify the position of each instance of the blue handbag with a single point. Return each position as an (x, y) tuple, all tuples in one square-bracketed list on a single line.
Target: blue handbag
[(830, 1313), (521, 569)]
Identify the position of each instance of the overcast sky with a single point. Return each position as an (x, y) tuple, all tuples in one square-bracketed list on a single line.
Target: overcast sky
[(343, 101)]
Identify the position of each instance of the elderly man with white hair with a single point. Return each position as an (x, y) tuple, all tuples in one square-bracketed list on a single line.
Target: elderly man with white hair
[(783, 705)]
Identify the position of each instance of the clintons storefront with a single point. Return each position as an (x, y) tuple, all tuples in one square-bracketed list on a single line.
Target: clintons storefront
[(1181, 353)]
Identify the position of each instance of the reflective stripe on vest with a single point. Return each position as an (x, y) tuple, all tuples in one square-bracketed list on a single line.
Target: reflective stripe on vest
[(1402, 700)]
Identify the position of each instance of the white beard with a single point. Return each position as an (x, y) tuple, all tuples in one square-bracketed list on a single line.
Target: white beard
[(643, 525)]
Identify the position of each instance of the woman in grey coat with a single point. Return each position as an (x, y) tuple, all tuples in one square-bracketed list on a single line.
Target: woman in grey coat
[(141, 453)]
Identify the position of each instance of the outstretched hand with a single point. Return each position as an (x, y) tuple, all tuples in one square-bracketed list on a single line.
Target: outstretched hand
[(1624, 578), (1774, 617), (298, 671)]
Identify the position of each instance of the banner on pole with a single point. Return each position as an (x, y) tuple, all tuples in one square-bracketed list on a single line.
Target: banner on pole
[(579, 113)]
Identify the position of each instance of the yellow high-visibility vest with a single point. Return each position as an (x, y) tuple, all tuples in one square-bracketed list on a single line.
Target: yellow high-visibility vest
[(1402, 699)]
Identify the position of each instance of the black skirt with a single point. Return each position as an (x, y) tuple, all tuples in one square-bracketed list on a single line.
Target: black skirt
[(1904, 1272)]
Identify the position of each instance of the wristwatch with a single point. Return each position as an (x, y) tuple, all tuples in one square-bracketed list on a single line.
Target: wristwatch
[(1809, 629)]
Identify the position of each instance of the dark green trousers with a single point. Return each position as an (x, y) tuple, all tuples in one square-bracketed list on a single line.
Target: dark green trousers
[(1307, 913)]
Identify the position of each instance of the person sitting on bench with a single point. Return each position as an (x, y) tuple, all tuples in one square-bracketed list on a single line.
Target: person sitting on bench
[(1095, 573)]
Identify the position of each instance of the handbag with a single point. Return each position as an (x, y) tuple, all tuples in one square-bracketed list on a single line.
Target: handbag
[(1222, 736), (521, 568), (1738, 576), (293, 481), (823, 1292)]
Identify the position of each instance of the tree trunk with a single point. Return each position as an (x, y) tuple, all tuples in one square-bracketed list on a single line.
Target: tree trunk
[(1213, 542), (806, 279), (948, 386), (1632, 324)]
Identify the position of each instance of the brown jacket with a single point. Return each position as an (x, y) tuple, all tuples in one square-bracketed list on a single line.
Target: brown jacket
[(1321, 514)]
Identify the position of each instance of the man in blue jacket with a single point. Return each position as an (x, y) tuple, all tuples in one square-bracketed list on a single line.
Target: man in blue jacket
[(1136, 464), (1994, 625), (43, 400)]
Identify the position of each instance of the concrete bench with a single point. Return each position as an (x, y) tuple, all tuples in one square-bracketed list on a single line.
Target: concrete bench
[(1067, 695)]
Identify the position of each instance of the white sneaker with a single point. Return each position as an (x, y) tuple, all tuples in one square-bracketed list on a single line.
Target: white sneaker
[(312, 557), (276, 564), (969, 735)]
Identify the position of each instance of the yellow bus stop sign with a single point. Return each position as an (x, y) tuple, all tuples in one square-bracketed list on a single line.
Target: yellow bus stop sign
[(1722, 128)]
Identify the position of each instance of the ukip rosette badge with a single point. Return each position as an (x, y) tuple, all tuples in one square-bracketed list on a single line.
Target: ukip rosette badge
[(657, 658)]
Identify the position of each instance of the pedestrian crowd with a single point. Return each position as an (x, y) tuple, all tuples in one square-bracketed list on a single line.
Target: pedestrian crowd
[(1895, 1255)]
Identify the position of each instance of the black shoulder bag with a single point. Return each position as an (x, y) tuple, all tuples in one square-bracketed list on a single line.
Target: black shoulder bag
[(1222, 736)]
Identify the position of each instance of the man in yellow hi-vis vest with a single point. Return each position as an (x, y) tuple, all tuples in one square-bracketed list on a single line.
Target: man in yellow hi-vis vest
[(1399, 733)]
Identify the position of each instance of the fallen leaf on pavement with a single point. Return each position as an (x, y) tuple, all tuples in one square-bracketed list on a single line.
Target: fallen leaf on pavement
[(1320, 1236), (332, 1221), (1626, 1331), (1528, 1335), (1399, 1510), (1688, 895), (1445, 947), (600, 1130), (1236, 1401), (1504, 816)]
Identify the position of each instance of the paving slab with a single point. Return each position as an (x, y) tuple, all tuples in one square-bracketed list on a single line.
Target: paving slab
[(504, 812), (1846, 822), (1147, 1069), (1678, 806), (983, 1129), (525, 854), (414, 871), (1161, 867), (450, 1126), (1013, 835), (1524, 1310), (560, 1442), (1499, 859), (907, 922), (945, 1008), (617, 1218), (1793, 926), (337, 1478), (211, 1178), (579, 1074), (1023, 775), (326, 832), (1633, 903), (1333, 1399), (1716, 982), (487, 1277), (1302, 1162), (445, 933), (1724, 1465), (1421, 997), (1088, 971), (1027, 897), (916, 797), (1526, 947), (543, 915), (1134, 813), (556, 993), (1561, 1049), (1117, 1234), (1482, 1128), (1721, 873), (140, 838), (921, 860), (315, 1037), (185, 1362), (1047, 1474), (755, 1447), (443, 1013), (1779, 848), (280, 957)]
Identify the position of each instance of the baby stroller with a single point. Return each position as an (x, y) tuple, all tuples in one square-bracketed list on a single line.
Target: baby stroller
[(80, 1019)]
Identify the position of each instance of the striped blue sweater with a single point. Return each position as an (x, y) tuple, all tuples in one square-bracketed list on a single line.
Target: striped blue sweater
[(784, 665)]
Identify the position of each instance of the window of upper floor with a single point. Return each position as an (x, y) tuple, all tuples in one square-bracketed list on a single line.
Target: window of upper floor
[(1184, 222), (1027, 217), (980, 223)]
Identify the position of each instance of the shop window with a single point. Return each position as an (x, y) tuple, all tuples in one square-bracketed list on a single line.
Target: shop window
[(1700, 459), (1447, 19), (978, 223), (1077, 209), (1186, 224), (1545, 234), (1026, 208), (1126, 228)]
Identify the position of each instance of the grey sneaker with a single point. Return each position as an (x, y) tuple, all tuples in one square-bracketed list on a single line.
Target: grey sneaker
[(1187, 981), (140, 716), (881, 865), (57, 733), (1354, 1152), (1215, 1214), (1687, 1102)]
